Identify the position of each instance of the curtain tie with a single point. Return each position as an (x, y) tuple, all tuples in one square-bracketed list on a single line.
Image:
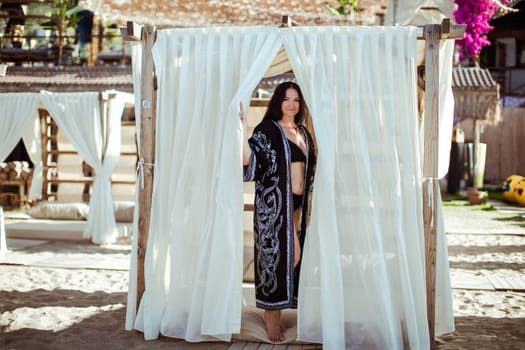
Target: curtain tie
[(140, 170), (431, 182)]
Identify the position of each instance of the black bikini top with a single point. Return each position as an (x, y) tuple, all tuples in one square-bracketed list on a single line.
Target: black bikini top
[(297, 152)]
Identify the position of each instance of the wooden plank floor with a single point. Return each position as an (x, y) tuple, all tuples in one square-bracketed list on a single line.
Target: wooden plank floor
[(516, 284)]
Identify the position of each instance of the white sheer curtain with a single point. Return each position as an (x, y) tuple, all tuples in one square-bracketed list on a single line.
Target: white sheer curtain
[(446, 106), (18, 114), (193, 266), (401, 12), (435, 12), (78, 116), (411, 12), (444, 307), (136, 60), (101, 226), (32, 137), (363, 278)]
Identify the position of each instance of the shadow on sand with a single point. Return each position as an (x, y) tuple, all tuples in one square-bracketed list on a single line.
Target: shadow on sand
[(484, 333)]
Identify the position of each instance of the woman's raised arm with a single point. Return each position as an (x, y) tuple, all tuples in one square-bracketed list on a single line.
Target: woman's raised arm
[(246, 150)]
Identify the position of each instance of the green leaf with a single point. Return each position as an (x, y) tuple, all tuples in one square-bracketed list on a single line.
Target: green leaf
[(331, 9)]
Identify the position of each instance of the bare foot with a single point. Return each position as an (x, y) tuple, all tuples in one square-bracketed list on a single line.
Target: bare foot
[(274, 328)]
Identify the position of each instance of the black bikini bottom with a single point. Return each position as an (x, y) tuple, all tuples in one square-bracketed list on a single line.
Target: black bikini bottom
[(297, 201)]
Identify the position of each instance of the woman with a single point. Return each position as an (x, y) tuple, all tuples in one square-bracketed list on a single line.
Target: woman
[(280, 158)]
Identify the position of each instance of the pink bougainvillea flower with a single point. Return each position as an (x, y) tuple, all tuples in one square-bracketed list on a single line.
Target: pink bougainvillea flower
[(476, 14)]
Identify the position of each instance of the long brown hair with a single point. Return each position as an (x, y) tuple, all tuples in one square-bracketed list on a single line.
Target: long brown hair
[(274, 111)]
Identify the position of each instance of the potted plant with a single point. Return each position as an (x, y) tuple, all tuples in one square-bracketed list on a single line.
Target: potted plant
[(346, 9), (477, 197), (64, 18)]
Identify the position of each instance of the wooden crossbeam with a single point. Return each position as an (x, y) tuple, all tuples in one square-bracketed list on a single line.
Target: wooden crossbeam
[(452, 31), (132, 32), (447, 30), (287, 21)]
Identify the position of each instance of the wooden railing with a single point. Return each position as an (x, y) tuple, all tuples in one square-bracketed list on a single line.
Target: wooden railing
[(47, 49)]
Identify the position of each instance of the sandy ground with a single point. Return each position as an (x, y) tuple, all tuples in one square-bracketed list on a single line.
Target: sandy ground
[(486, 319), (45, 307)]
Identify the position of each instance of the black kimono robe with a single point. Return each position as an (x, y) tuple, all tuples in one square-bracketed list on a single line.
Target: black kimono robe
[(276, 280)]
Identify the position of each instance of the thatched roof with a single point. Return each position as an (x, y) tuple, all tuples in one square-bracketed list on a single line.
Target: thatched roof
[(66, 79), (174, 13), (476, 94)]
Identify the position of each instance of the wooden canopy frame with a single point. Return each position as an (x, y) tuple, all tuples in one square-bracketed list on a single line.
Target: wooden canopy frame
[(431, 33)]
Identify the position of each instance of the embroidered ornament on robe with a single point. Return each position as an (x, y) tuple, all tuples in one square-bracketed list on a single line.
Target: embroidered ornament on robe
[(276, 279)]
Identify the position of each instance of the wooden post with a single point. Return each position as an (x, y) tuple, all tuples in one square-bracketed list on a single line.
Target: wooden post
[(148, 112), (46, 148), (432, 33), (286, 21)]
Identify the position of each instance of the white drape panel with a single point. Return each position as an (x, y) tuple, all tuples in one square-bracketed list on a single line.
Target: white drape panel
[(407, 14), (33, 142), (78, 116), (193, 266), (18, 114), (136, 60), (101, 225), (136, 52), (444, 322), (446, 106), (362, 279), (446, 53), (402, 12)]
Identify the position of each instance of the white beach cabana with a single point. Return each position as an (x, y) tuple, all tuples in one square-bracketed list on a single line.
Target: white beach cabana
[(79, 117), (375, 203)]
